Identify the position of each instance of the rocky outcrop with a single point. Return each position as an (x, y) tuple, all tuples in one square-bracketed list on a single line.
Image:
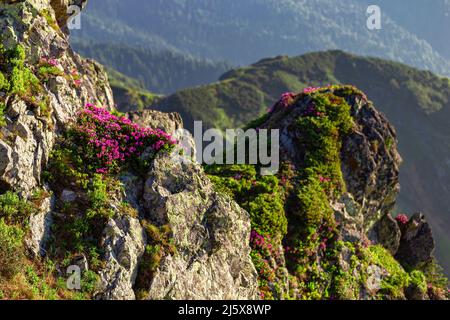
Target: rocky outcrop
[(417, 243), (29, 136), (369, 161), (169, 122), (387, 232), (210, 232)]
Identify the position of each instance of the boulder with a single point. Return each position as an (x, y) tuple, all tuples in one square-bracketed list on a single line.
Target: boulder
[(211, 234), (124, 243), (417, 243)]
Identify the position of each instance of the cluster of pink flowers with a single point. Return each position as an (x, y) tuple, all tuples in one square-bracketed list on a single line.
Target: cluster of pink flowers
[(402, 219), (256, 239), (48, 62), (111, 139), (324, 180), (310, 89), (76, 77), (286, 98)]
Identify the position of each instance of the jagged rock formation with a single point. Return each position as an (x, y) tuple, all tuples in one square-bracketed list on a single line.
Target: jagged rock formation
[(124, 244), (325, 230), (210, 234), (64, 84), (140, 220), (417, 243), (29, 135)]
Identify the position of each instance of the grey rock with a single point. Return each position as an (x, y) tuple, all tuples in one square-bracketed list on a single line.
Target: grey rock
[(29, 135), (68, 196), (81, 261), (387, 233), (40, 229), (169, 122), (210, 232), (5, 157), (375, 277), (417, 243), (350, 217), (124, 243)]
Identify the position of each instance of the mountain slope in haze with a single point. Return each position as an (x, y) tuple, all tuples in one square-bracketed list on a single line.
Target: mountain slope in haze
[(129, 94), (416, 102), (245, 31), (416, 19), (159, 71)]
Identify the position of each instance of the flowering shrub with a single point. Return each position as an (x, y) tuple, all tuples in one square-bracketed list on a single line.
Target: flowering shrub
[(311, 90), (267, 256), (49, 68), (109, 140), (286, 98), (76, 78), (402, 219)]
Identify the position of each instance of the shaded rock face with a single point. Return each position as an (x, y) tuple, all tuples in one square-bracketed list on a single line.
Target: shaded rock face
[(417, 243), (210, 232), (370, 163), (169, 122), (28, 136), (387, 232), (124, 243), (40, 229)]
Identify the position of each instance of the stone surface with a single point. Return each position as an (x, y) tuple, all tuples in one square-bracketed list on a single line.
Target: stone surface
[(68, 196), (387, 232), (371, 173), (417, 243), (40, 229), (350, 217), (124, 243), (169, 122), (210, 232)]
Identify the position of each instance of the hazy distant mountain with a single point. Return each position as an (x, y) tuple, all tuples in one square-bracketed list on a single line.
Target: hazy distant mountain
[(245, 31), (428, 19), (159, 71), (416, 102)]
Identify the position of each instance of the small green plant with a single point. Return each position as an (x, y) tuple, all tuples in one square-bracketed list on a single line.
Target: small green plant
[(2, 114), (12, 260), (15, 210), (4, 84), (160, 244), (50, 20)]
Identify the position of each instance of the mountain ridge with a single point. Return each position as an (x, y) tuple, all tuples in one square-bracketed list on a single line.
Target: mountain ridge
[(237, 34), (416, 102)]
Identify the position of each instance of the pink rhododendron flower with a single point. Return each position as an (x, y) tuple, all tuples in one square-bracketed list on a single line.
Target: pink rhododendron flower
[(310, 89), (112, 139), (402, 219)]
